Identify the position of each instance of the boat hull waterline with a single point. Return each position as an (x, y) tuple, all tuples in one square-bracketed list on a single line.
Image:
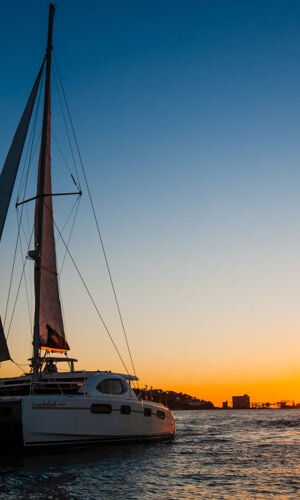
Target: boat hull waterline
[(84, 418)]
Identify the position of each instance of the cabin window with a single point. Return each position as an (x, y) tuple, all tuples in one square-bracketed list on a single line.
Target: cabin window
[(111, 386), (147, 412), (96, 408), (125, 410), (161, 414)]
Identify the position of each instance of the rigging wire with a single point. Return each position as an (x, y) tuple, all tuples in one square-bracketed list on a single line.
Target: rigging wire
[(19, 286), (67, 219), (12, 274), (30, 285), (29, 302), (30, 147), (60, 233), (19, 366), (25, 172), (65, 121), (22, 192), (90, 295), (25, 283), (77, 203), (65, 161), (95, 217), (76, 206), (29, 151)]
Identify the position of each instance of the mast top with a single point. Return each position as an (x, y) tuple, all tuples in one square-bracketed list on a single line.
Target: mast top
[(50, 28), (52, 7)]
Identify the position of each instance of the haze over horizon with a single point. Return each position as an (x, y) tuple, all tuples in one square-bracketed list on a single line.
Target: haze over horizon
[(188, 120)]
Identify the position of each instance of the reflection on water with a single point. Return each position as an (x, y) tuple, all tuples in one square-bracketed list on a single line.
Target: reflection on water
[(216, 454)]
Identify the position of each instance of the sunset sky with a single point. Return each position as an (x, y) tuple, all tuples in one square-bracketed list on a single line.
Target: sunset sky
[(188, 118)]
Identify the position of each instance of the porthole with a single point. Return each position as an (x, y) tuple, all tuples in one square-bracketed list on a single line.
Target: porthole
[(125, 410), (97, 408), (161, 414), (147, 412)]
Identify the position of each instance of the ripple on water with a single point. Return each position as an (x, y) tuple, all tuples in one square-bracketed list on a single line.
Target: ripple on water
[(216, 455)]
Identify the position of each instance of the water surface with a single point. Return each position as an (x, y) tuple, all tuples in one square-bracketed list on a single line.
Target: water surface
[(216, 455)]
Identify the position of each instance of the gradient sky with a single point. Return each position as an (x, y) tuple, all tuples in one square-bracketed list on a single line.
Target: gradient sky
[(188, 119)]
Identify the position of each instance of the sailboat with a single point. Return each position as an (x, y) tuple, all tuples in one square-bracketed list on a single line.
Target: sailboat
[(47, 406)]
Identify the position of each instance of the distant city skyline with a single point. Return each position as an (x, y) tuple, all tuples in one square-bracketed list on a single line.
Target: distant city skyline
[(188, 120)]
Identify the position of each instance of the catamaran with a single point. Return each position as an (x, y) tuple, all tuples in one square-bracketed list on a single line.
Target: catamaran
[(49, 406)]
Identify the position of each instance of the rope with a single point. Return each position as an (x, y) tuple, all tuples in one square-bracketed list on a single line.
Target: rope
[(96, 220)]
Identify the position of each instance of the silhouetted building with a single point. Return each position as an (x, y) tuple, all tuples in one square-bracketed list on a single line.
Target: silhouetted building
[(225, 405), (241, 402)]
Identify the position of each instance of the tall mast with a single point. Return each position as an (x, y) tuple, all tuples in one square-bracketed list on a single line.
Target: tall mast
[(44, 151)]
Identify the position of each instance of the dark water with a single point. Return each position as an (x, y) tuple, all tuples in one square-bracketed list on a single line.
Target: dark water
[(216, 454)]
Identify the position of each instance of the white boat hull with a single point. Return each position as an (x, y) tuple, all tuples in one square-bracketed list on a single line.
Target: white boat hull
[(61, 420)]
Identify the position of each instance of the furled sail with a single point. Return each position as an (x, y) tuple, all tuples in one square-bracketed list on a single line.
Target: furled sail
[(8, 177), (49, 326)]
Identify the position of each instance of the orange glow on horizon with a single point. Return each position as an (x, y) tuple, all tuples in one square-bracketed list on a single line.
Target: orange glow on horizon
[(261, 389)]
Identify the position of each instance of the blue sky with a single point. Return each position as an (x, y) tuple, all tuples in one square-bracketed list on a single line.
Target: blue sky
[(187, 115)]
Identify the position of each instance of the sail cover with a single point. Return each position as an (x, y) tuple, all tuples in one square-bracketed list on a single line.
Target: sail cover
[(8, 177), (51, 328)]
